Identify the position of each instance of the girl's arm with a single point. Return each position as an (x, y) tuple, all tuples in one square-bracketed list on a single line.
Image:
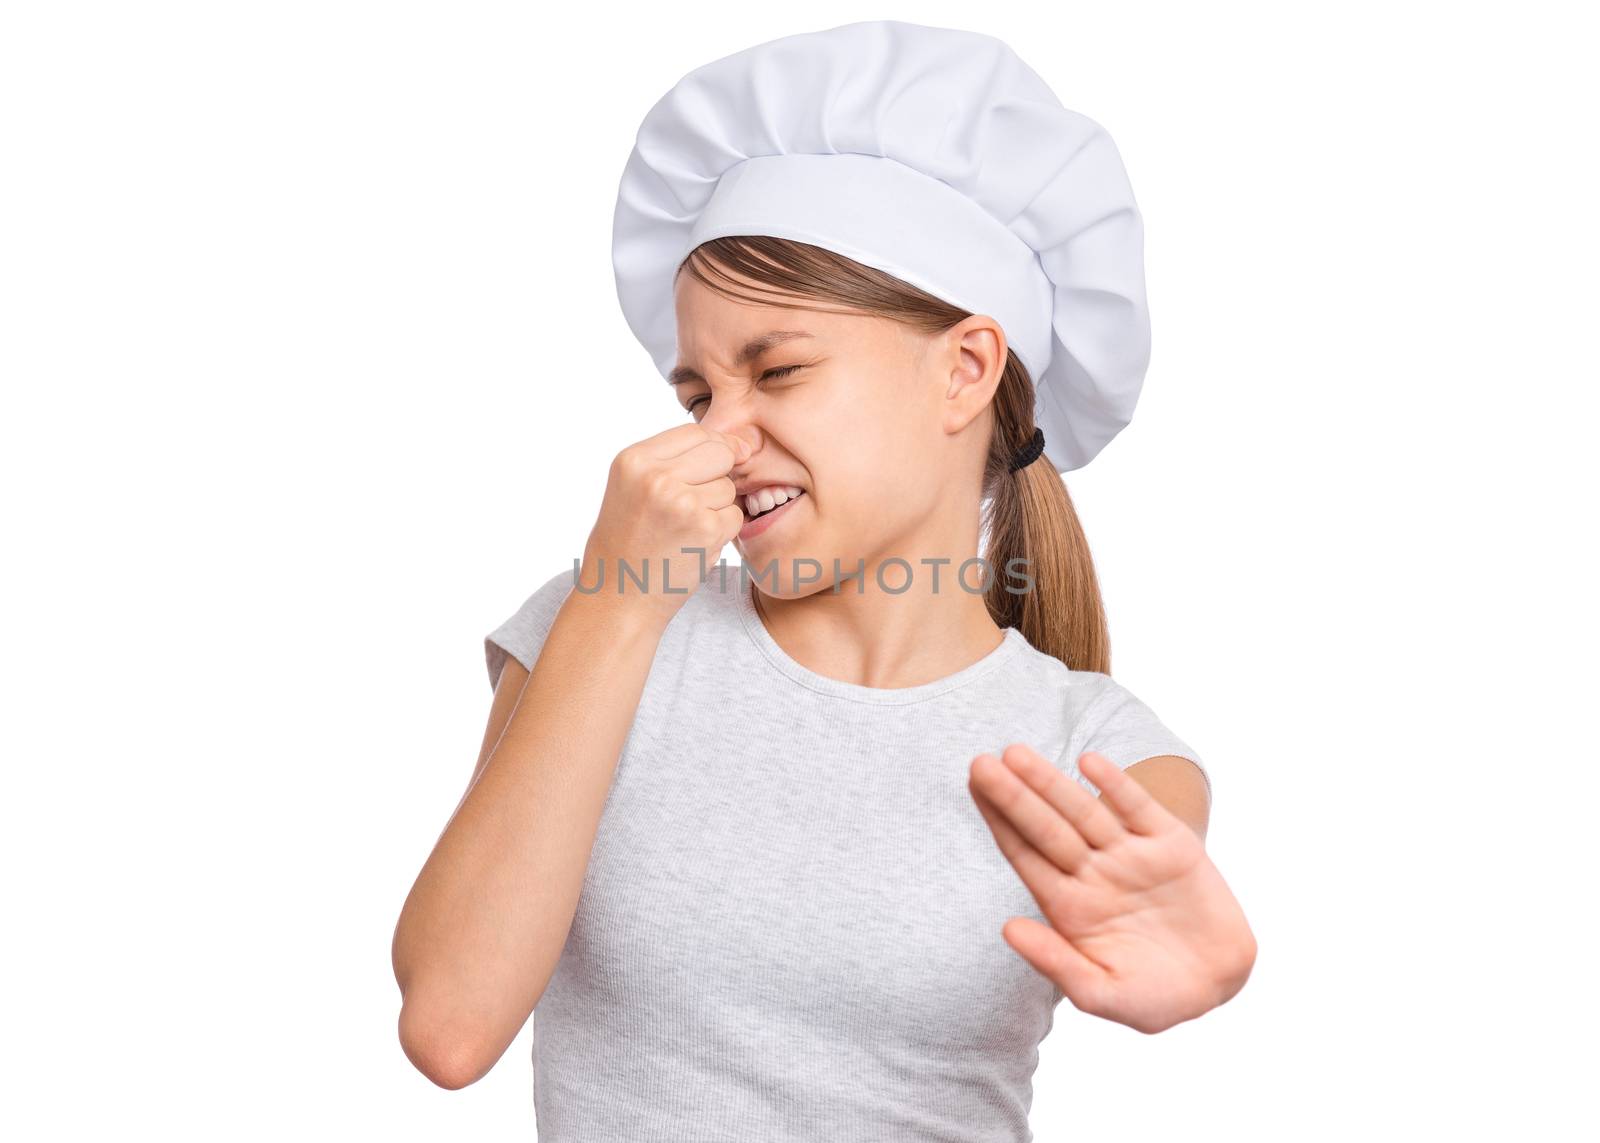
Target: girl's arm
[(1177, 784), (483, 927)]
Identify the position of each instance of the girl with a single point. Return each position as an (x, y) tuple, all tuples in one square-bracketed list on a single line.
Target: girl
[(809, 848)]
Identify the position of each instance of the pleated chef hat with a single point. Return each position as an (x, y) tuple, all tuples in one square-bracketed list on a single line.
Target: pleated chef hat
[(932, 154)]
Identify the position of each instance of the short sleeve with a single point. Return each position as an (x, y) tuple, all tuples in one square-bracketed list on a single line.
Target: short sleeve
[(1115, 723), (523, 634)]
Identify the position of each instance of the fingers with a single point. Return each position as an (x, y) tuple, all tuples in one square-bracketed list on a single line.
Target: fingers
[(1054, 795), (743, 443), (1039, 873), (715, 493), (704, 466), (1027, 816), (1080, 979), (708, 460), (680, 439), (729, 519), (1137, 807)]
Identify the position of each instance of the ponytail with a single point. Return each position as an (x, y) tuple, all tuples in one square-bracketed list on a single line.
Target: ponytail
[(1029, 517)]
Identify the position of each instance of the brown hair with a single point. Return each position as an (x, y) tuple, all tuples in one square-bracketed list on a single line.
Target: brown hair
[(1029, 513)]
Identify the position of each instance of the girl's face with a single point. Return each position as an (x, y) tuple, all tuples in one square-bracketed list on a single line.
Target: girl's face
[(883, 429)]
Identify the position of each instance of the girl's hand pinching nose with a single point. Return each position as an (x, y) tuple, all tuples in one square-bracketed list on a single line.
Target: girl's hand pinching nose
[(669, 507)]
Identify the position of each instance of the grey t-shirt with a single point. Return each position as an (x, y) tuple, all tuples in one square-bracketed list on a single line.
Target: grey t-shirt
[(789, 927)]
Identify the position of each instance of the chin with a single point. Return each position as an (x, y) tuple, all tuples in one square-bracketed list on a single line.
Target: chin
[(779, 583)]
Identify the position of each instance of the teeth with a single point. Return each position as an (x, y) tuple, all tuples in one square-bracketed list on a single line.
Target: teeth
[(768, 498)]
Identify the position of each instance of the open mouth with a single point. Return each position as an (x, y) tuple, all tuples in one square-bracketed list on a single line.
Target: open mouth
[(743, 507)]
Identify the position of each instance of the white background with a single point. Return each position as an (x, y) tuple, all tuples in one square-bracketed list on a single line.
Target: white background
[(313, 368)]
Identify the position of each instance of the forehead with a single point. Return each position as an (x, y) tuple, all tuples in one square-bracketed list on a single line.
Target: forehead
[(733, 333), (736, 350), (701, 309), (723, 329)]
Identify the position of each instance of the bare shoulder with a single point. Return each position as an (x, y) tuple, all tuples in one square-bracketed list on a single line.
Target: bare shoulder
[(1177, 784)]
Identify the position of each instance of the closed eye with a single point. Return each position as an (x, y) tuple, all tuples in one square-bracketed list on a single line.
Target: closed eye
[(770, 374)]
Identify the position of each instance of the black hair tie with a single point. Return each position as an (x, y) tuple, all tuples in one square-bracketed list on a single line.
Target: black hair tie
[(1030, 451)]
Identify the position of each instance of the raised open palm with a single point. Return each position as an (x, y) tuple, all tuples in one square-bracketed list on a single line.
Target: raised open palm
[(1142, 928)]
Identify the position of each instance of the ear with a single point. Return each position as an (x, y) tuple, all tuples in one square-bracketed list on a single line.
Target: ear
[(974, 351)]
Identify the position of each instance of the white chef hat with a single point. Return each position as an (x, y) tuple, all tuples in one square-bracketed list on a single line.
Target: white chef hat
[(932, 154)]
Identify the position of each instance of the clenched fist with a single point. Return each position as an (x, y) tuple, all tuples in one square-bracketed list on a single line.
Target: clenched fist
[(665, 493)]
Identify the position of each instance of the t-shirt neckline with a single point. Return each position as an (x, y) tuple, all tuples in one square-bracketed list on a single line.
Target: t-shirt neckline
[(838, 688)]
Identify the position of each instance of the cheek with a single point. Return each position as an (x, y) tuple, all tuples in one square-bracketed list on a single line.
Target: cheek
[(862, 444), (867, 487)]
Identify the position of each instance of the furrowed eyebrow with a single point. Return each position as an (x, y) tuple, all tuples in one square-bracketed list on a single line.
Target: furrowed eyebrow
[(753, 349)]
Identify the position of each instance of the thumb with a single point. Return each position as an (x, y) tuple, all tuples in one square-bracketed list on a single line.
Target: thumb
[(743, 446)]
